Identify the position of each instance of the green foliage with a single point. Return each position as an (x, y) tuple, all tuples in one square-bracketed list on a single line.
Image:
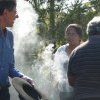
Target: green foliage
[(56, 15)]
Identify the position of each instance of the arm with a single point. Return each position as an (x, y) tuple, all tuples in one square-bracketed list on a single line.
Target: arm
[(13, 72)]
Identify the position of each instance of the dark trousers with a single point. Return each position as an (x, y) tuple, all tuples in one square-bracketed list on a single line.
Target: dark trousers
[(4, 94)]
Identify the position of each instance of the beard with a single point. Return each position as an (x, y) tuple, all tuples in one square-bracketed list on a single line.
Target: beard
[(10, 24)]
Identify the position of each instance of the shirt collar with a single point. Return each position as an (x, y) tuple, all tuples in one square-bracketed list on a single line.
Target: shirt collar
[(3, 32)]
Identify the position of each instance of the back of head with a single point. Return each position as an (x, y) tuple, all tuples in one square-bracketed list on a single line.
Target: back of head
[(77, 28), (93, 27), (7, 4)]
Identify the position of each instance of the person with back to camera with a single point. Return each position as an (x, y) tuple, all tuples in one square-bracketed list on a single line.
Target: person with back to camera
[(84, 65), (73, 35)]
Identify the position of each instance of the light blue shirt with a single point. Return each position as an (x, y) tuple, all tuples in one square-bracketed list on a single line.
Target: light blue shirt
[(7, 58)]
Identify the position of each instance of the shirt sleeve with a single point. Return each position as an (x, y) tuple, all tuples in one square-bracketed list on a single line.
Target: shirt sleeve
[(13, 72)]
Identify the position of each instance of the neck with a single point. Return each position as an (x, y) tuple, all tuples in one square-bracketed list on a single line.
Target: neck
[(71, 48), (2, 23)]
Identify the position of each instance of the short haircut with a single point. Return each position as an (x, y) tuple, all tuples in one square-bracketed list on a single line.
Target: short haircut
[(7, 4), (77, 28), (93, 27)]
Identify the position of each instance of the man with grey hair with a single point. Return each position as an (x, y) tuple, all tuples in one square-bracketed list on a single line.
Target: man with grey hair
[(84, 65)]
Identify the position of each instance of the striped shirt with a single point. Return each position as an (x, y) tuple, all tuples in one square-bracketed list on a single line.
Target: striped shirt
[(84, 64)]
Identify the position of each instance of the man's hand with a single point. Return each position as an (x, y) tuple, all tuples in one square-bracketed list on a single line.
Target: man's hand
[(28, 80)]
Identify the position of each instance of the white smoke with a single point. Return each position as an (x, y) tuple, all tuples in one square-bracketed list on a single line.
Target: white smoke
[(27, 44)]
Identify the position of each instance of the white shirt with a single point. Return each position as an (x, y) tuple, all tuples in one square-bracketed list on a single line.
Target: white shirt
[(61, 65)]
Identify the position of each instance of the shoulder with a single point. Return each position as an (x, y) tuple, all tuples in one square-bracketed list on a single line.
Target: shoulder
[(62, 48), (79, 51), (9, 32), (81, 47), (10, 36)]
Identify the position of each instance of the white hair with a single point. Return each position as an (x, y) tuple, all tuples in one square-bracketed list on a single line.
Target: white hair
[(93, 27)]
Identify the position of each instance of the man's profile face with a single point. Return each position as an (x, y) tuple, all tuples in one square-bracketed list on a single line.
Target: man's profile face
[(10, 16)]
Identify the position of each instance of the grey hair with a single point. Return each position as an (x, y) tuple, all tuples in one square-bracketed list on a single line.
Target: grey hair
[(93, 27)]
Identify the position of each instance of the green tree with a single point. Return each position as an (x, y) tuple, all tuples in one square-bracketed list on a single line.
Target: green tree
[(55, 15)]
